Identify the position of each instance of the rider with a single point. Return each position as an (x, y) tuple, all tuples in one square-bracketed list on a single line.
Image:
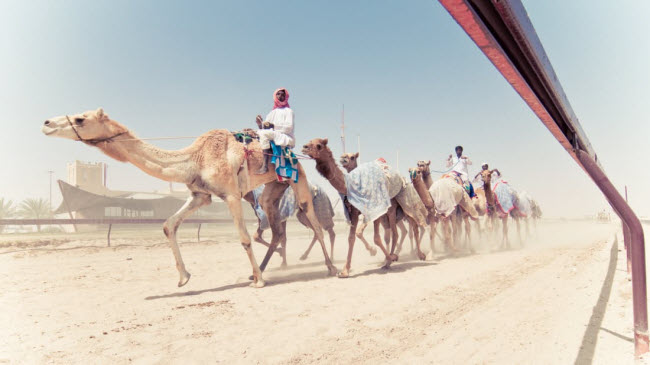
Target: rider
[(484, 167), (460, 163), (278, 127)]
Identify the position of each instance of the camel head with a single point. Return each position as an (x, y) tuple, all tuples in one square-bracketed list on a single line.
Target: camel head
[(349, 161), (424, 166), (91, 127), (486, 176), (317, 149), (415, 173)]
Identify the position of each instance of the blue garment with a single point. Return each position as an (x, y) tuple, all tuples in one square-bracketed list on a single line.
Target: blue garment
[(285, 162)]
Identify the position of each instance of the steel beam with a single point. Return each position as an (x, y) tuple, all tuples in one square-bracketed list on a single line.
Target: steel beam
[(505, 34)]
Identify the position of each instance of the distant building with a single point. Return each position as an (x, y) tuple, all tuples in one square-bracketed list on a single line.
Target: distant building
[(88, 176), (85, 195)]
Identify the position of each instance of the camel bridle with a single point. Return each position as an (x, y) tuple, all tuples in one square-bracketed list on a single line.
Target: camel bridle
[(93, 141)]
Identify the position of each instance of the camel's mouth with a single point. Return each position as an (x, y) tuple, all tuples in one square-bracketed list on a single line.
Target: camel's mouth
[(306, 150), (48, 131)]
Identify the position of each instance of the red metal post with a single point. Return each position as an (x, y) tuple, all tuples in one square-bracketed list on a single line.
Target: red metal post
[(505, 34), (637, 248)]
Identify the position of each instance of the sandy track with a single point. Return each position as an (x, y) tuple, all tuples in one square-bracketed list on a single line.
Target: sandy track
[(121, 305)]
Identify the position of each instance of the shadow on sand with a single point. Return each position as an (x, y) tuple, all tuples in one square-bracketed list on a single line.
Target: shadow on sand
[(590, 338), (297, 277)]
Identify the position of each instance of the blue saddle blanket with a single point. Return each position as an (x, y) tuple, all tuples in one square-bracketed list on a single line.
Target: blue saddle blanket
[(286, 163), (286, 207), (368, 191)]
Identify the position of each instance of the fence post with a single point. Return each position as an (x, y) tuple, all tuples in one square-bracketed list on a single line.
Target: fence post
[(198, 233), (108, 236)]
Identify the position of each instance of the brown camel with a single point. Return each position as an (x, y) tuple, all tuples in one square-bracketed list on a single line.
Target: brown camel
[(350, 161), (493, 212), (326, 166), (215, 164), (321, 204), (451, 199)]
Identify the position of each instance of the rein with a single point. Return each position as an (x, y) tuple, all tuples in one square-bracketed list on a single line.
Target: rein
[(93, 141)]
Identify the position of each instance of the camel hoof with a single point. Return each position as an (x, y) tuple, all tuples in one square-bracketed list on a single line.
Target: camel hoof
[(422, 256), (284, 266), (333, 270), (393, 257), (303, 257), (373, 251), (185, 277), (386, 264), (344, 274), (257, 284)]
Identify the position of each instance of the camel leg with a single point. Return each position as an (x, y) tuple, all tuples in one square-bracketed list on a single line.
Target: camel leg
[(392, 221), (234, 204), (354, 220), (468, 234), (416, 233), (332, 234), (359, 233), (506, 240), (306, 204), (170, 227), (447, 234), (269, 202), (306, 254), (403, 233), (284, 246), (377, 240), (302, 218), (521, 241), (432, 235)]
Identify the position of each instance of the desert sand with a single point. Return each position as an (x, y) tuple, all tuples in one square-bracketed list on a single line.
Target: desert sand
[(67, 298)]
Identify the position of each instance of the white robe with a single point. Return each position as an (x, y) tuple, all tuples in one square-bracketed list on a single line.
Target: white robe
[(282, 134)]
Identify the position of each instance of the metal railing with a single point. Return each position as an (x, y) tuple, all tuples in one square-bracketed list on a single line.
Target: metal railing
[(110, 222), (505, 34)]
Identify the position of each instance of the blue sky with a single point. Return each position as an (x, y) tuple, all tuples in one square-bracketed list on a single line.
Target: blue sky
[(410, 78)]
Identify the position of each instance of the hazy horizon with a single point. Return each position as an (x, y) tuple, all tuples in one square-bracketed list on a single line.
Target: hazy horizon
[(410, 78)]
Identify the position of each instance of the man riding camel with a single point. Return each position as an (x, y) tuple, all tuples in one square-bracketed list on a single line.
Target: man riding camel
[(459, 165), (484, 167), (277, 127)]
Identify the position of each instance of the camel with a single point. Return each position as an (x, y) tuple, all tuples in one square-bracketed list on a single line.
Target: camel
[(480, 204), (454, 194), (423, 167), (494, 211), (350, 161), (324, 213), (327, 167), (214, 164)]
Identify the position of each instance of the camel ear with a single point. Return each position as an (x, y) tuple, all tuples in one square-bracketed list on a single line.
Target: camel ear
[(356, 154), (100, 113), (429, 163), (325, 142)]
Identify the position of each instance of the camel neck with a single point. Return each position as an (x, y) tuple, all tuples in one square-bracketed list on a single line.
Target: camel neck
[(423, 192), (489, 197), (428, 181), (329, 170), (174, 166)]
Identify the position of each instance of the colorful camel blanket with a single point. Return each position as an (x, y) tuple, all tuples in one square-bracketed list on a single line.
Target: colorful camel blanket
[(505, 195), (524, 204), (285, 161), (286, 207), (322, 206), (367, 191)]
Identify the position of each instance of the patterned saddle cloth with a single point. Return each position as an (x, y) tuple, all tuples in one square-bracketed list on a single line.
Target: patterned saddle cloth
[(286, 163)]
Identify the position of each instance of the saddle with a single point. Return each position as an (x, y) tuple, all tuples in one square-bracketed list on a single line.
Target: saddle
[(245, 136)]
